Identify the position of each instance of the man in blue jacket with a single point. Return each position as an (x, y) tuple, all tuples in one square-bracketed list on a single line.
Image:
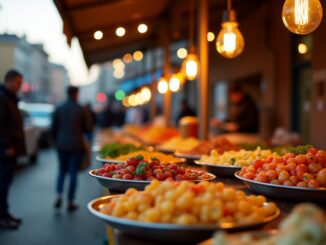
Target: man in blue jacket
[(12, 143), (68, 128)]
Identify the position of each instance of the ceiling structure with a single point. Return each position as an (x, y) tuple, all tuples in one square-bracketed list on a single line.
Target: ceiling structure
[(81, 18)]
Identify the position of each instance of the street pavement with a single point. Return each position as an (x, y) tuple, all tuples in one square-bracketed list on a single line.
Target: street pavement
[(31, 198)]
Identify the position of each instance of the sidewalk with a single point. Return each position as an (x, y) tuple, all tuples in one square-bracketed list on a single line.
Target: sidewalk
[(32, 197)]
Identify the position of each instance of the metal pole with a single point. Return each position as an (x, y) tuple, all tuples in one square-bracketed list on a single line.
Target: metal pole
[(203, 58)]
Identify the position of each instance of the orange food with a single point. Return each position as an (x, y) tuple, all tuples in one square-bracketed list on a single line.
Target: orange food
[(303, 170), (186, 203), (219, 144)]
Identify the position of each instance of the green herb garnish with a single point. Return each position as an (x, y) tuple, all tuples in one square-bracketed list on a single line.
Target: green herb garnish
[(116, 149), (139, 157), (141, 169)]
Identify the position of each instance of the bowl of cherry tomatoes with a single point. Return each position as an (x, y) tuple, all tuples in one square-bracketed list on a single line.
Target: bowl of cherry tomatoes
[(299, 177), (137, 173)]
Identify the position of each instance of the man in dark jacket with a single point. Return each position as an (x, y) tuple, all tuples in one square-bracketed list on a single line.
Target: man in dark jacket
[(243, 115), (12, 143), (68, 127)]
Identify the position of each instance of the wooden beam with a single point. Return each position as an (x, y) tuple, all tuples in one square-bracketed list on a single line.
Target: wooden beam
[(203, 59), (167, 69), (88, 5)]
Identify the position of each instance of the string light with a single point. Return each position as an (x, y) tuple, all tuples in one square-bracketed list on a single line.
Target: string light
[(142, 28), (210, 36), (182, 53), (138, 55), (120, 31), (127, 58), (174, 84), (98, 35), (162, 86)]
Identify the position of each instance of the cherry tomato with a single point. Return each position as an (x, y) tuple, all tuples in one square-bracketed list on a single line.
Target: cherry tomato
[(257, 163), (283, 176), (300, 170), (294, 179), (180, 170), (312, 150), (288, 183), (271, 175), (301, 159), (168, 174), (307, 177), (321, 177), (124, 171), (117, 176), (280, 168), (301, 184), (313, 183), (131, 168), (127, 176), (132, 162), (249, 175), (137, 178), (157, 171), (106, 175), (160, 176), (321, 157), (315, 167), (148, 174), (261, 177), (179, 177)]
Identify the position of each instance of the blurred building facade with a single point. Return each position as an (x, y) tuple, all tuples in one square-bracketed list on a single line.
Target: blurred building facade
[(58, 81), (43, 81), (40, 67), (15, 53)]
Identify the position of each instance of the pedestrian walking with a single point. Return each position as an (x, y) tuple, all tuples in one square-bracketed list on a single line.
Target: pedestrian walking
[(12, 143), (92, 121), (68, 128)]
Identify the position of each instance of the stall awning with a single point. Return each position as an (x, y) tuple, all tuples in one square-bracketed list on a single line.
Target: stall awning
[(81, 18)]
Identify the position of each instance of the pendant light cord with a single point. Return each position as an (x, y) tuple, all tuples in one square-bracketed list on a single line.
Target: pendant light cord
[(229, 3), (191, 24)]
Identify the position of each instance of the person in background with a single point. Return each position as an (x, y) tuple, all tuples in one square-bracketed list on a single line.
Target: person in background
[(12, 143), (159, 119), (107, 116), (119, 115), (243, 114), (68, 128), (92, 121), (134, 115), (185, 110)]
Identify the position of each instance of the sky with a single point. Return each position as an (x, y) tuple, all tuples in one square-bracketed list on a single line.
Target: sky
[(40, 21)]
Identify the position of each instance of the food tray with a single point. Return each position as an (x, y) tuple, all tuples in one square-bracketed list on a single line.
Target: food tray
[(219, 170), (121, 185), (167, 232), (292, 193)]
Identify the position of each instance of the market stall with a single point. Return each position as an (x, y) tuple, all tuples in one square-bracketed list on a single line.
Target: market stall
[(166, 187)]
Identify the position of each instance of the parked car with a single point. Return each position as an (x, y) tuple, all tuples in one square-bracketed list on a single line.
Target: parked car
[(37, 121), (41, 116)]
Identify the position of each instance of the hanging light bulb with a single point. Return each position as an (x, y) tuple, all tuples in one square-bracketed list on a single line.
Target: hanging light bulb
[(230, 42), (190, 66), (146, 94), (175, 83), (162, 86), (302, 16)]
